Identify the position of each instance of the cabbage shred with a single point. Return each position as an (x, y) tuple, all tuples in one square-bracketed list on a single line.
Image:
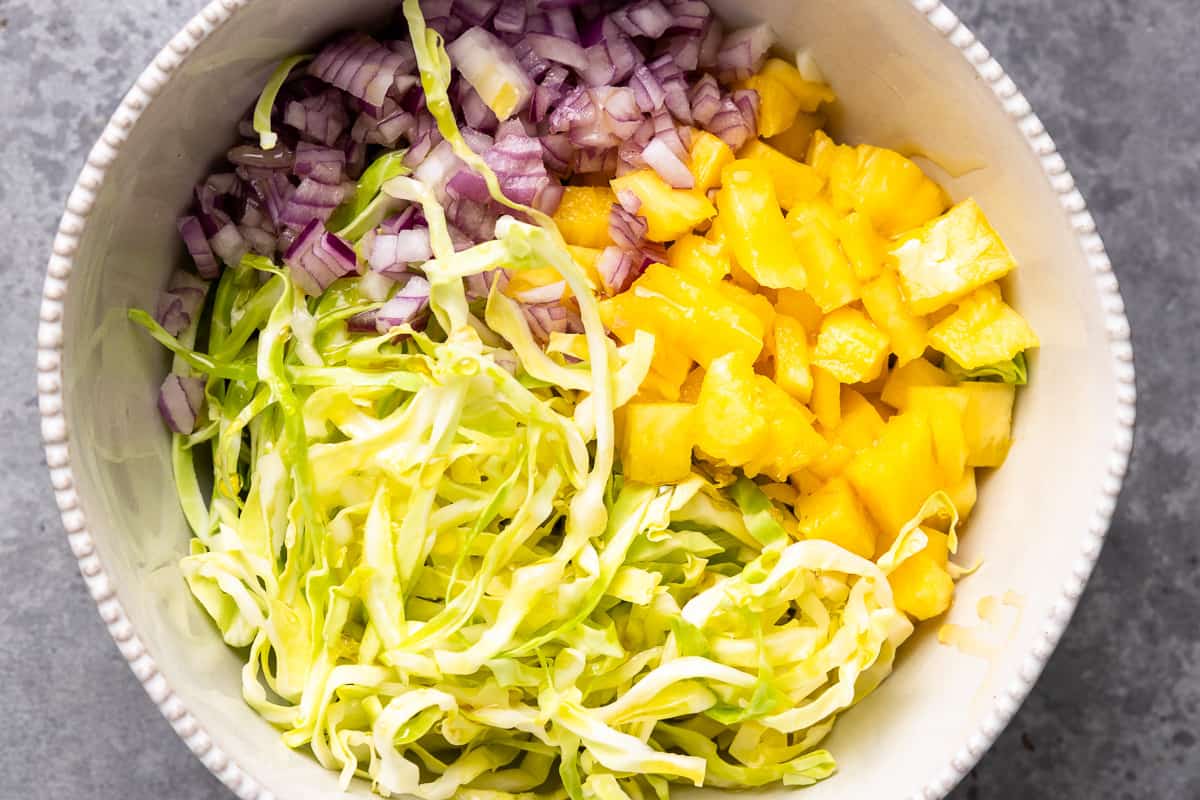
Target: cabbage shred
[(444, 586)]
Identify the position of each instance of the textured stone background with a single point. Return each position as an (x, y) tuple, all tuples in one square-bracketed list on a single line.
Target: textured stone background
[(1116, 714)]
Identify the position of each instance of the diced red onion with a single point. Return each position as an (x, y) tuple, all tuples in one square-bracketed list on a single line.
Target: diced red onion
[(438, 168), (549, 91), (228, 244), (743, 52), (625, 229), (684, 48), (409, 306), (410, 217), (510, 18), (386, 129), (423, 140), (595, 159), (648, 18), (360, 66), (197, 244), (478, 141), (179, 304), (710, 44), (616, 267), (487, 64), (662, 160), (629, 201), (600, 70), (691, 15), (545, 319), (273, 189), (647, 89), (550, 293), (476, 220), (312, 200), (558, 49), (320, 118), (180, 400), (260, 241), (317, 258), (557, 154), (468, 184), (562, 24), (729, 123), (322, 164), (517, 161), (364, 322), (476, 12), (705, 100), (664, 129), (549, 197), (393, 253)]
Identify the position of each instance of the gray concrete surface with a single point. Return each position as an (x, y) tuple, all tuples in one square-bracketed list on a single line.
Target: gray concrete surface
[(1117, 713)]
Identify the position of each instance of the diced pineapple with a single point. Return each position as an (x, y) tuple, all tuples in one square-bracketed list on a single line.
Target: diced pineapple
[(987, 422), (791, 443), (984, 330), (826, 398), (706, 323), (850, 347), (528, 279), (887, 309), (794, 180), (835, 514), (627, 313), (945, 409), (729, 425), (709, 155), (950, 257), (777, 106), (805, 481), (809, 94), (586, 258), (754, 227), (668, 370), (799, 305), (892, 191), (821, 152), (669, 213), (699, 258), (865, 248), (751, 301), (860, 427), (794, 142), (689, 392), (921, 585), (831, 282), (915, 373), (657, 440), (897, 475), (964, 493), (789, 345), (582, 216)]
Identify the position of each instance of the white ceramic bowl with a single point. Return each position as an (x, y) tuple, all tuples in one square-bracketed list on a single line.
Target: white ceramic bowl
[(909, 75)]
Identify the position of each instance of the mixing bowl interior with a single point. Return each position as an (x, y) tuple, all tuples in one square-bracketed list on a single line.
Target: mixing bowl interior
[(902, 84)]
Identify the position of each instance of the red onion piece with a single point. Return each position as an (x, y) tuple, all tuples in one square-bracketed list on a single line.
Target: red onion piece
[(558, 49), (360, 66), (476, 12), (272, 188), (705, 100), (180, 400), (557, 154), (562, 24), (690, 15), (517, 161), (730, 124), (545, 319), (617, 269), (666, 163), (710, 44), (363, 322), (647, 90), (625, 229), (312, 200), (198, 247), (317, 258), (510, 18), (322, 164), (648, 18), (320, 118), (393, 253), (179, 304), (743, 52), (409, 306), (228, 244)]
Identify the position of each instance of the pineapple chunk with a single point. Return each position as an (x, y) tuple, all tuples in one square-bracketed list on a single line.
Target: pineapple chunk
[(754, 227), (964, 493), (831, 281), (626, 314), (791, 443), (794, 181), (835, 514), (709, 155), (689, 392), (777, 106), (809, 94), (805, 481), (705, 323), (669, 212), (945, 409), (862, 245), (794, 142), (656, 445), (586, 258), (850, 347), (699, 258), (826, 398), (799, 304), (950, 257), (904, 379), (821, 153), (755, 303), (921, 585), (887, 309), (789, 347), (984, 330), (892, 191), (582, 216), (729, 425), (860, 427), (897, 474), (987, 422)]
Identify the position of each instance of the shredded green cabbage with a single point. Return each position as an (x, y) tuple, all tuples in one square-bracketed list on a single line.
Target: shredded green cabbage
[(444, 585), (1015, 371), (267, 139)]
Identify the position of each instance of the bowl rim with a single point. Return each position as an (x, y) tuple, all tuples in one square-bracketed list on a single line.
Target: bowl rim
[(230, 771)]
